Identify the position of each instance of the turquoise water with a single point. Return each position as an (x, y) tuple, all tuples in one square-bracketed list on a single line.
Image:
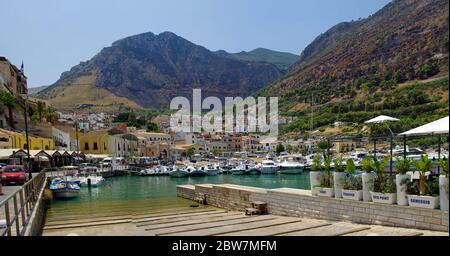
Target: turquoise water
[(148, 187), (133, 194)]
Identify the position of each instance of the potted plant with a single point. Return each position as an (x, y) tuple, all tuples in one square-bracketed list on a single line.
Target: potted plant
[(326, 188), (367, 165), (384, 190), (314, 174), (352, 188), (424, 192), (402, 165), (338, 176), (443, 184)]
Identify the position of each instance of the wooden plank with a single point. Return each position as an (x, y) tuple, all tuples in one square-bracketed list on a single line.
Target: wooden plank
[(336, 229), (175, 219), (87, 224), (386, 231), (164, 231), (224, 229), (280, 229), (196, 221)]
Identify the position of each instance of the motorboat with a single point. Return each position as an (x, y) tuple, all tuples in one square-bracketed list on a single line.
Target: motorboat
[(64, 189), (238, 170), (91, 179), (211, 169), (195, 172), (268, 167), (291, 167), (252, 169), (178, 172)]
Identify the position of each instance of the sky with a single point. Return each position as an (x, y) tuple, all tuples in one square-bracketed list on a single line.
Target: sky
[(51, 36)]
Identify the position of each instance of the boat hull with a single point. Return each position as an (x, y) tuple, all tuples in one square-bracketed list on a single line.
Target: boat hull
[(212, 172), (269, 170), (197, 173), (65, 193), (237, 172), (291, 170), (253, 172), (178, 174)]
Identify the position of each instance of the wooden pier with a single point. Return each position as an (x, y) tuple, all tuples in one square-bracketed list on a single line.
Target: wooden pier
[(210, 221)]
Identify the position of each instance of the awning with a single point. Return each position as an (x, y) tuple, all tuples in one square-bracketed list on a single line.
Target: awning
[(381, 119), (437, 127)]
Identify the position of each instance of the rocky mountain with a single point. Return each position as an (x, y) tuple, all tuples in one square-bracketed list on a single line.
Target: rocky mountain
[(283, 60), (395, 62), (404, 41), (34, 90), (148, 70)]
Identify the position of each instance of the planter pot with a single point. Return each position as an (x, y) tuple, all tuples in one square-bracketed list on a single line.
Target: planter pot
[(325, 192), (356, 195), (314, 180), (338, 180), (429, 202), (384, 198), (443, 192), (402, 198), (368, 184)]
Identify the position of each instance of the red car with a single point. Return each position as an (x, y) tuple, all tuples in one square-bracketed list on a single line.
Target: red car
[(14, 174)]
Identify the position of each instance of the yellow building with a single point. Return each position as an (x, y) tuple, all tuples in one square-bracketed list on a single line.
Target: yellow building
[(10, 139), (94, 142)]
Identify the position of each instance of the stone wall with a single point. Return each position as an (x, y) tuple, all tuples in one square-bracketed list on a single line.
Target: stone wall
[(300, 203)]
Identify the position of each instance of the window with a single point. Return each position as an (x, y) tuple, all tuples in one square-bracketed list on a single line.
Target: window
[(95, 146), (86, 146)]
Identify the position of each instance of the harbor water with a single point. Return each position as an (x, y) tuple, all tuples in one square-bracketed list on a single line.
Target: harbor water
[(134, 195)]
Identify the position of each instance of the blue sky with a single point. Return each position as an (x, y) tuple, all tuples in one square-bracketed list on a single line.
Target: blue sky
[(51, 36)]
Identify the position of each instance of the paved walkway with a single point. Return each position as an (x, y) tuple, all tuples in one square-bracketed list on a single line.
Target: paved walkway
[(208, 221)]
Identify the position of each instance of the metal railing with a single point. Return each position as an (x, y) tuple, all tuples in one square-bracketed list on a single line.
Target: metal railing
[(17, 208)]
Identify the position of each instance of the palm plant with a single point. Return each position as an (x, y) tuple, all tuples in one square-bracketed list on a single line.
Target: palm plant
[(352, 181), (338, 166), (317, 163), (10, 102), (443, 163), (40, 109), (367, 164), (326, 180), (403, 165), (423, 166)]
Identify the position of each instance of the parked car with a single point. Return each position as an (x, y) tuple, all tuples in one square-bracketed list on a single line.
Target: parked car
[(14, 174)]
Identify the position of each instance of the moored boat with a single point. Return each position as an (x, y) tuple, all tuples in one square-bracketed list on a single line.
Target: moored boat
[(64, 189), (178, 172), (252, 169), (268, 167), (195, 172), (291, 167)]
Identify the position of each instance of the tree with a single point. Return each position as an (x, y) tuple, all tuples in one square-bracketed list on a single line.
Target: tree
[(279, 149), (10, 102), (289, 148), (51, 115), (40, 110), (216, 152), (190, 152), (152, 127)]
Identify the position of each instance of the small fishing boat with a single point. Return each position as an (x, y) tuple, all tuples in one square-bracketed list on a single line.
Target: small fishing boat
[(64, 189), (268, 167), (91, 179), (288, 167), (195, 172), (178, 172), (238, 170), (252, 169), (212, 169)]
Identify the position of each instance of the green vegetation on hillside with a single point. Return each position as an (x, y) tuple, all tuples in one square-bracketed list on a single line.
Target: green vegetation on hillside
[(283, 60), (415, 104)]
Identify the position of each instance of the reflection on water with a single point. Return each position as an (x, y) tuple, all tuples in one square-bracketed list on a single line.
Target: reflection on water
[(129, 192)]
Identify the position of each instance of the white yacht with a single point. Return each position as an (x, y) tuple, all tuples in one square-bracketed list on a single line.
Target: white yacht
[(93, 179), (291, 167), (268, 167)]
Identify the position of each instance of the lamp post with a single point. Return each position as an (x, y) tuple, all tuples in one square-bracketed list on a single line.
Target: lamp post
[(30, 175)]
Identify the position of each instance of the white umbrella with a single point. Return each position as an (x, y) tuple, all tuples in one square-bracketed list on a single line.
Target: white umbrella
[(437, 127), (381, 119)]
